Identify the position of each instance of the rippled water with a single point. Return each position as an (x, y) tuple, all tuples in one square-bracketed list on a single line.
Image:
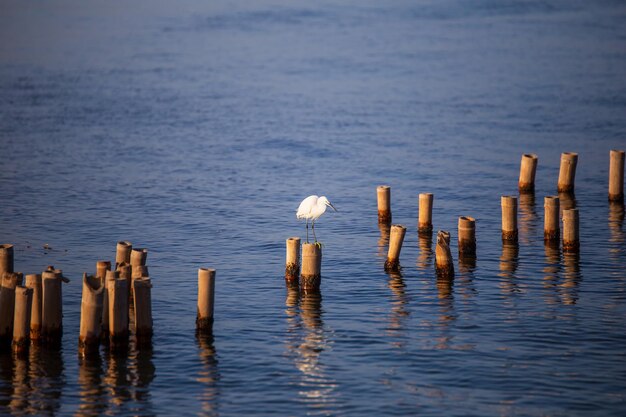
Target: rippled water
[(195, 129)]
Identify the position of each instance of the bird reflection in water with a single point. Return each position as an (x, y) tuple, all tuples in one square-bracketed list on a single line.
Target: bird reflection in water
[(383, 240), (425, 257), (527, 217), (31, 383), (509, 261), (209, 375), (307, 342)]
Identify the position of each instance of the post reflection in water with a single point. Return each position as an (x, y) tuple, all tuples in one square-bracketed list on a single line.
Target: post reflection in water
[(567, 201), (527, 217), (383, 241), (509, 261), (425, 257), (447, 315), (465, 278), (307, 342), (399, 313), (33, 383), (616, 223), (571, 278), (552, 271), (92, 394), (209, 375)]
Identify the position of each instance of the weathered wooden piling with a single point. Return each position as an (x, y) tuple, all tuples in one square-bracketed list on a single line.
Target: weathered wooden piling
[(21, 322), (509, 218), (122, 254), (206, 299), (551, 229), (292, 262), (384, 203), (425, 219), (616, 176), (33, 281), (444, 265), (467, 236), (311, 272), (140, 271), (570, 231), (91, 313), (101, 269), (142, 289), (6, 258), (126, 272), (111, 276), (138, 256), (118, 312), (10, 280), (567, 172), (52, 307), (396, 237), (528, 167)]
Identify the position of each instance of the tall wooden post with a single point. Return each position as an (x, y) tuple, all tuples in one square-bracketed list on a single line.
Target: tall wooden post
[(118, 312), (52, 307), (528, 167), (395, 245), (10, 280), (206, 299), (616, 176), (311, 273), (143, 310), (123, 252), (467, 236), (384, 203), (33, 281), (292, 262), (509, 218), (567, 172), (425, 221), (570, 230), (6, 258), (21, 323), (91, 313), (444, 266), (551, 229), (138, 257)]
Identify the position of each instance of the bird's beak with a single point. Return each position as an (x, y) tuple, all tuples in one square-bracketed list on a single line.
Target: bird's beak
[(330, 204)]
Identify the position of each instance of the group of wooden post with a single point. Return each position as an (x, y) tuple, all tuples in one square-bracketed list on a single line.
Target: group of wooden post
[(303, 270), (34, 312), (467, 225)]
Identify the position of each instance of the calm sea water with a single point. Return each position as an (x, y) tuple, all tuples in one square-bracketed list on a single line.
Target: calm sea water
[(194, 129)]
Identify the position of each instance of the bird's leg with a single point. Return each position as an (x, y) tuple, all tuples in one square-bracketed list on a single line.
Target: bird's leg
[(307, 230), (313, 227)]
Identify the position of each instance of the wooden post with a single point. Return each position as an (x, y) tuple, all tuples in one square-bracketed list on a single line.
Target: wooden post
[(6, 258), (126, 272), (33, 281), (10, 280), (444, 266), (570, 230), (467, 236), (101, 269), (52, 307), (551, 229), (528, 167), (140, 271), (509, 218), (138, 257), (111, 276), (21, 323), (425, 222), (384, 203), (292, 263), (567, 172), (206, 299), (91, 313), (143, 310), (311, 272), (123, 252), (616, 176), (118, 312), (395, 245)]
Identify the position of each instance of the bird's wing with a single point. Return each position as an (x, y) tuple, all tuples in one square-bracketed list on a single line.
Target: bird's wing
[(306, 206)]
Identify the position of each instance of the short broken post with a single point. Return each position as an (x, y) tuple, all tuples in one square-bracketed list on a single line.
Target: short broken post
[(509, 218), (206, 299), (33, 281), (123, 252), (10, 280), (91, 314), (551, 229), (292, 262), (567, 172), (425, 221), (6, 258), (118, 312), (444, 266), (311, 272), (142, 288), (616, 176), (21, 323), (52, 307), (528, 168), (384, 203), (396, 238), (467, 237), (570, 231)]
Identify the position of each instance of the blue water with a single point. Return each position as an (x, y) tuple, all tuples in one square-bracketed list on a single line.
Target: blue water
[(194, 129)]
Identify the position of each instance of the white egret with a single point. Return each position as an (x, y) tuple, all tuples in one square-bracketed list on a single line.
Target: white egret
[(311, 208)]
